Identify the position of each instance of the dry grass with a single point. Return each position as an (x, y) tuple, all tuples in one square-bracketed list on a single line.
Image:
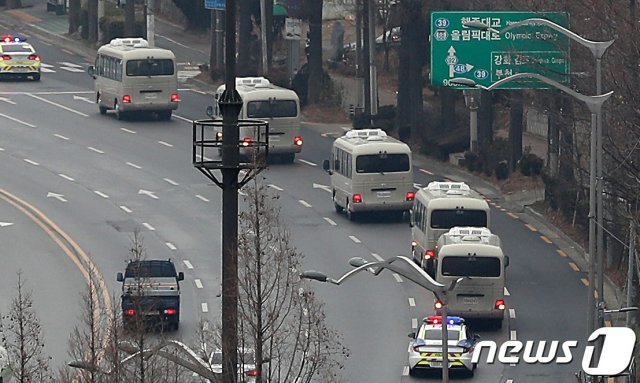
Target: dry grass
[(325, 114)]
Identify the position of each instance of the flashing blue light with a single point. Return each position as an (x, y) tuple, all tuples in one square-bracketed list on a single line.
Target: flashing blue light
[(13, 39), (437, 319)]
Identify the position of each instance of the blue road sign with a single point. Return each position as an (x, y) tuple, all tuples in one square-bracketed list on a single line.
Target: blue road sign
[(214, 4)]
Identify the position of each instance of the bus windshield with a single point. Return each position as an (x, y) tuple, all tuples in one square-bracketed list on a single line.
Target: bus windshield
[(150, 67), (465, 266), (382, 163), (446, 219), (272, 109)]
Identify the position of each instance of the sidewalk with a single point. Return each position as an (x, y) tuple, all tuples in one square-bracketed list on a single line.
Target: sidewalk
[(193, 49)]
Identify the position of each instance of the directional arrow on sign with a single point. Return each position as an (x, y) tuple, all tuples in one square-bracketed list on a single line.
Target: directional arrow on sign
[(7, 100), (148, 193), (5, 224), (323, 187), (82, 98), (451, 60), (59, 197)]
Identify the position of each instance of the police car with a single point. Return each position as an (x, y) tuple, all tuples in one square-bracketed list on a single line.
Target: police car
[(18, 58), (425, 348)]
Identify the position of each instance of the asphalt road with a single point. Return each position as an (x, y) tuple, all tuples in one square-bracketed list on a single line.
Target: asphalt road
[(113, 177)]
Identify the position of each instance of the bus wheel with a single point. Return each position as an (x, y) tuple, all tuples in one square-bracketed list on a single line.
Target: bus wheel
[(119, 114), (351, 216), (335, 203), (102, 109), (288, 158)]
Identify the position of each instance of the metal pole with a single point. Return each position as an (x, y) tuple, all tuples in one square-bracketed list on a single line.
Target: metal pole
[(473, 123), (100, 16), (592, 227), (373, 83), (263, 37), (599, 185), (631, 270), (445, 341), (358, 61), (366, 57), (219, 40), (151, 23)]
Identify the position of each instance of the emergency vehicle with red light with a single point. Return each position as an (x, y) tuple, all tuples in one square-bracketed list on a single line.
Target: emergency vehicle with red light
[(18, 58)]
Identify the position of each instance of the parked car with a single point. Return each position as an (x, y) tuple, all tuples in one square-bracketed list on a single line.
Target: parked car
[(393, 39)]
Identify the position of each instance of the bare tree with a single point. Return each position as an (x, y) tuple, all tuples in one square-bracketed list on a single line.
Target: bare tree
[(279, 317), (25, 338)]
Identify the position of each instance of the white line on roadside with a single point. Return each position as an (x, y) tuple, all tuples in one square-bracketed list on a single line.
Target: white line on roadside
[(330, 221), (198, 283), (355, 239), (506, 292), (405, 371), (58, 105), (188, 264), (128, 130), (134, 165), (95, 150), (278, 188), (60, 136), (205, 308), (412, 302), (101, 194), (125, 209), (31, 162), (304, 203), (307, 162), (165, 144), (204, 199), (509, 381), (171, 246), (426, 171), (189, 121), (16, 120), (66, 177), (414, 322), (397, 277), (149, 227), (377, 257), (512, 335), (65, 63), (172, 182), (512, 313), (205, 158)]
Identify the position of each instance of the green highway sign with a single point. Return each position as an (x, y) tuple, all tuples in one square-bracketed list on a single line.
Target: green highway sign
[(458, 51)]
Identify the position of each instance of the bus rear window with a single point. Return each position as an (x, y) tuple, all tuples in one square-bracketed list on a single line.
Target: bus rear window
[(272, 109), (465, 266), (382, 163), (148, 269), (150, 67), (446, 219)]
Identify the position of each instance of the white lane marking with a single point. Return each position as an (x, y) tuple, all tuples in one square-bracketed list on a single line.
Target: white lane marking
[(304, 203), (187, 120), (331, 222), (278, 188), (16, 120), (355, 239), (61, 92), (414, 323), (5, 224), (377, 257), (66, 177), (397, 277), (405, 371), (345, 128), (125, 209), (59, 197), (171, 246), (61, 137), (426, 171), (202, 198), (205, 158), (509, 381), (66, 63), (149, 227), (128, 130), (198, 283), (307, 162), (412, 302), (188, 264), (96, 150), (7, 100), (172, 182), (512, 335), (205, 308), (69, 69), (148, 193), (58, 105), (165, 144), (101, 194), (512, 313), (506, 292), (31, 162), (46, 70), (134, 165), (82, 98), (1, 149), (323, 187)]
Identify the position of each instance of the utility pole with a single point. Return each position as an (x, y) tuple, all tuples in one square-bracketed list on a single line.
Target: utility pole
[(366, 57), (373, 83), (129, 19), (358, 63), (263, 37), (151, 23), (631, 270), (100, 17)]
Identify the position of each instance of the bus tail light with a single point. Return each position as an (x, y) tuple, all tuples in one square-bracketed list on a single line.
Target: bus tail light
[(297, 141), (34, 57), (357, 198), (428, 254), (174, 97), (170, 311), (246, 141), (126, 99), (130, 312), (438, 305), (410, 196), (500, 305)]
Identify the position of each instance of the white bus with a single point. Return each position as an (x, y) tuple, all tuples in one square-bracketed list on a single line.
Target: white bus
[(131, 77), (475, 254), (262, 100), (437, 208), (370, 171)]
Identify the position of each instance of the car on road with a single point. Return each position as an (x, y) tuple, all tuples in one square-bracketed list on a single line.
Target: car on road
[(425, 347), (393, 38), (18, 58), (246, 364)]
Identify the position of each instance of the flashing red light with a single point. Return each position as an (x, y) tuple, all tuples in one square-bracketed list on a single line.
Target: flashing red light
[(434, 319), (297, 140), (170, 311), (437, 304), (410, 196), (428, 254), (357, 198), (246, 141), (6, 39), (500, 305), (174, 97), (34, 57), (126, 99), (130, 312), (251, 373), (5, 57)]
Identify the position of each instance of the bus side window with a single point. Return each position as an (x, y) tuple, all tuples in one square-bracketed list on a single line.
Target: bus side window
[(349, 164)]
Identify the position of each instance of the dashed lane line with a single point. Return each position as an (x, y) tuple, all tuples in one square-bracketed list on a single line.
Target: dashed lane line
[(16, 120), (574, 266), (304, 203), (205, 307), (128, 130), (506, 292), (149, 227), (584, 281), (171, 246), (405, 371), (307, 162), (174, 183), (188, 264), (414, 323), (397, 277), (165, 144), (355, 239), (31, 162), (561, 253), (95, 150), (278, 188), (57, 105), (547, 240), (530, 227), (203, 199), (377, 257), (101, 194), (134, 165), (510, 214), (330, 221), (66, 177), (412, 302), (60, 136), (189, 121), (512, 335), (512, 313), (426, 171), (198, 283), (125, 209)]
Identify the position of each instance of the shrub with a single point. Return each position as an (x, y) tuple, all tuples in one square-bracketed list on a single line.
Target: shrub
[(502, 170), (113, 27), (530, 164), (471, 161), (490, 154)]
